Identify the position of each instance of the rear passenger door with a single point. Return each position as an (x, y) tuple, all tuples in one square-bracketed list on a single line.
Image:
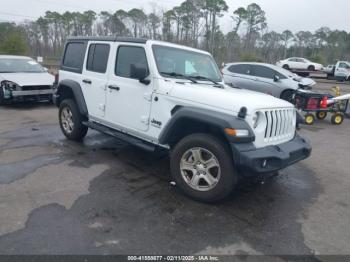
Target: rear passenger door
[(240, 76), (95, 78)]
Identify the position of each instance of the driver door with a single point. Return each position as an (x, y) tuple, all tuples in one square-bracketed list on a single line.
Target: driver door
[(129, 100)]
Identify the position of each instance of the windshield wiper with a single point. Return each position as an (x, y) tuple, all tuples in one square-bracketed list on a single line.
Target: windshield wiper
[(173, 74), (205, 78)]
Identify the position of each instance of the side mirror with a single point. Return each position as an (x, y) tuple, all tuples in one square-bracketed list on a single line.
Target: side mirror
[(46, 69), (139, 73), (276, 78)]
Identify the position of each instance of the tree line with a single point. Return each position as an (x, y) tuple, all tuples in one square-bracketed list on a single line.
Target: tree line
[(194, 23)]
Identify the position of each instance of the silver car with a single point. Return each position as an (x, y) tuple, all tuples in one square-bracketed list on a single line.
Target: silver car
[(265, 78)]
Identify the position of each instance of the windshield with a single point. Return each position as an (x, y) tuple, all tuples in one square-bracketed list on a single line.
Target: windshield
[(179, 63), (16, 65)]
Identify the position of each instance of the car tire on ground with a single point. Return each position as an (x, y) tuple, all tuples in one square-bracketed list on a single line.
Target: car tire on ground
[(337, 119), (309, 119), (286, 67), (287, 95), (71, 121), (321, 115), (311, 68), (202, 167)]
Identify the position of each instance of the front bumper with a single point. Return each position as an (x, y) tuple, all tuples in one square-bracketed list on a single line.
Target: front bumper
[(32, 92), (270, 158)]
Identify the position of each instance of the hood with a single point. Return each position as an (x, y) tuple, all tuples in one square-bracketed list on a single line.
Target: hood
[(229, 98), (29, 79)]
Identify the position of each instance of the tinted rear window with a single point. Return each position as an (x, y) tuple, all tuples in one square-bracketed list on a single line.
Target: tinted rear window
[(74, 56), (240, 69), (98, 58), (263, 71)]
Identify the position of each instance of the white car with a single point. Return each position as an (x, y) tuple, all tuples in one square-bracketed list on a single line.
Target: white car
[(298, 63), (22, 78), (155, 94)]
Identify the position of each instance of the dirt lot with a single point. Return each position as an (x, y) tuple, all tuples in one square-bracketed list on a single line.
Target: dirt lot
[(105, 197)]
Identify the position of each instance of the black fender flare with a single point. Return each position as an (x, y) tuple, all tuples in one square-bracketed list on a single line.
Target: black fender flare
[(75, 88), (211, 118)]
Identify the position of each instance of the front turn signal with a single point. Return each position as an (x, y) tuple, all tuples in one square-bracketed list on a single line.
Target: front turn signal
[(236, 132)]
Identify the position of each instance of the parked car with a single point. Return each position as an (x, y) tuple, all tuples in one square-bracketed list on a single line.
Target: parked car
[(265, 78), (159, 95), (329, 70), (299, 63), (22, 78), (342, 71)]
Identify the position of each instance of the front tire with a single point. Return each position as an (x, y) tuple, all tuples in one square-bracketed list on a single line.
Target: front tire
[(202, 167), (309, 119), (287, 95), (71, 121), (286, 67), (337, 119)]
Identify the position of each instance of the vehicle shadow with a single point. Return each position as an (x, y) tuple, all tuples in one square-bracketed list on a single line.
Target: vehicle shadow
[(133, 209)]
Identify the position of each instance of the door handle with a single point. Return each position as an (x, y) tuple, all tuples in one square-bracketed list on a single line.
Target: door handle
[(113, 87), (87, 81)]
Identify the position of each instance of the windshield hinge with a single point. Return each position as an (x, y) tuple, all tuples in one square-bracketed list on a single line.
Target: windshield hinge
[(148, 96), (145, 120)]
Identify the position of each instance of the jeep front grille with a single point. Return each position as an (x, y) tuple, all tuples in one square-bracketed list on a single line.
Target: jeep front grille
[(280, 125)]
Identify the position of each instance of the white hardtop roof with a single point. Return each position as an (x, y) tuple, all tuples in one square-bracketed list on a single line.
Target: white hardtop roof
[(162, 43)]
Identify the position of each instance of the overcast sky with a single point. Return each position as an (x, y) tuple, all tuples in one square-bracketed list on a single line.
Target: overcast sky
[(295, 15)]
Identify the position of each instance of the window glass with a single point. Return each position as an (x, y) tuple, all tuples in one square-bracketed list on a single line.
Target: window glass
[(263, 71), (344, 65), (98, 58), (240, 69), (130, 57), (74, 55), (187, 63)]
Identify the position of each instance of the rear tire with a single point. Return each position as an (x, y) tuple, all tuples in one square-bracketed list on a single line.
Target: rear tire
[(202, 167), (311, 68), (71, 121), (321, 115)]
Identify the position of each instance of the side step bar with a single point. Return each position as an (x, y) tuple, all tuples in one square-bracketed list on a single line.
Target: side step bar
[(122, 136)]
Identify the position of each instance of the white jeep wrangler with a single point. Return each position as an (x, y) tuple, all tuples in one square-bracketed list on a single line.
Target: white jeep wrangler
[(160, 95)]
